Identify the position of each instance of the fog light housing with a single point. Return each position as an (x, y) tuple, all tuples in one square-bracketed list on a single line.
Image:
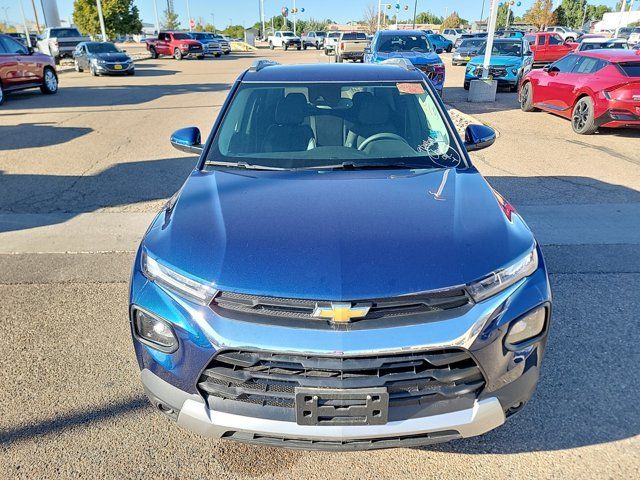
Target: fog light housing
[(154, 331), (527, 327)]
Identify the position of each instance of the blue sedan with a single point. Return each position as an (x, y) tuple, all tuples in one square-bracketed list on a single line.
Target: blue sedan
[(335, 273), (440, 43)]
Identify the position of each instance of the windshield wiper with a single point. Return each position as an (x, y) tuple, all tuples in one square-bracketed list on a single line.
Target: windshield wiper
[(356, 166), (248, 166)]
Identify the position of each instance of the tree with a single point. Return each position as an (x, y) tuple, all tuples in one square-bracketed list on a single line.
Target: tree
[(596, 12), (6, 27), (501, 19), (370, 19), (571, 13), (121, 17), (234, 31), (428, 17), (540, 14), (170, 20), (452, 21)]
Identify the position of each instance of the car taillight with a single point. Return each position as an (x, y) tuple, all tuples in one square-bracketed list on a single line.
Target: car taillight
[(341, 45)]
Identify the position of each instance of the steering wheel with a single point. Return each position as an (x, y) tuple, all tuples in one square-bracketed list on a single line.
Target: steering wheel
[(381, 136)]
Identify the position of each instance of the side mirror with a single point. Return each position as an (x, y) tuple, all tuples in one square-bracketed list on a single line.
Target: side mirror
[(551, 69), (439, 50), (187, 140), (477, 137), (367, 50)]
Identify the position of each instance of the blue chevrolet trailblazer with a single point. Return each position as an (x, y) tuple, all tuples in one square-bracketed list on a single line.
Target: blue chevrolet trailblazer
[(413, 46), (511, 58), (335, 273)]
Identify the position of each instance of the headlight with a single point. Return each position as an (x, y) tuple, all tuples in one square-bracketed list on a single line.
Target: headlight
[(184, 46), (514, 71), (176, 282), (97, 61), (470, 67), (504, 278), (154, 331)]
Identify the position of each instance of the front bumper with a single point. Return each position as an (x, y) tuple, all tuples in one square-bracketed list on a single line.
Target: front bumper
[(171, 380), (110, 69), (192, 413)]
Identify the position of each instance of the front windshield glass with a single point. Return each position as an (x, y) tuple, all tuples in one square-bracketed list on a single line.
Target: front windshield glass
[(64, 32), (102, 48), (287, 34), (472, 43), (202, 36), (604, 45), (334, 125), (321, 34), (181, 36), (403, 43), (510, 49)]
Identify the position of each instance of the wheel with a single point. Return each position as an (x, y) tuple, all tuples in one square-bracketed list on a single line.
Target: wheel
[(217, 55), (304, 47), (271, 45), (582, 119), (227, 52), (200, 57), (49, 82), (317, 46), (1, 95), (56, 60), (569, 39), (526, 98), (177, 54), (466, 86), (326, 52), (449, 48), (93, 71), (338, 58), (298, 48), (153, 52), (76, 66), (285, 46), (131, 72)]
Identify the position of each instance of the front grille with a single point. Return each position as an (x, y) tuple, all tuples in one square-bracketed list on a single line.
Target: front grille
[(67, 44), (227, 303), (195, 48), (494, 72), (270, 379)]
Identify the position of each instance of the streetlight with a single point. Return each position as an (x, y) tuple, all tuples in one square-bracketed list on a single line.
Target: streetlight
[(189, 15), (492, 30), (155, 10), (101, 18), (24, 21)]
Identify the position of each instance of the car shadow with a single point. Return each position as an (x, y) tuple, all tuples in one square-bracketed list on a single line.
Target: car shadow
[(34, 135), (457, 98), (104, 95)]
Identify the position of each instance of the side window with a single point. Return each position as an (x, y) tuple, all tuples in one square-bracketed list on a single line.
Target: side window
[(566, 64), (588, 65), (2, 50), (11, 46), (277, 34), (555, 40)]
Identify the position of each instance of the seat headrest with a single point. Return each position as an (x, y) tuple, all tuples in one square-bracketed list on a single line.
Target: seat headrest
[(291, 109), (370, 111)]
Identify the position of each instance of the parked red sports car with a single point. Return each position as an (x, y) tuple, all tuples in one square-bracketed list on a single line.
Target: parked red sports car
[(595, 88), (21, 67)]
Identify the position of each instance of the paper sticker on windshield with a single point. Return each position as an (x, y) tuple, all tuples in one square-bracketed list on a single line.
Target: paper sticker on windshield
[(410, 88)]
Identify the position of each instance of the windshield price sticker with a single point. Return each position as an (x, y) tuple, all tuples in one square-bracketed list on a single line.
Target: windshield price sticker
[(410, 88)]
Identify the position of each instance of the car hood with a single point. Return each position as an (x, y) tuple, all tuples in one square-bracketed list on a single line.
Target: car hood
[(498, 60), (336, 235), (111, 57), (417, 58)]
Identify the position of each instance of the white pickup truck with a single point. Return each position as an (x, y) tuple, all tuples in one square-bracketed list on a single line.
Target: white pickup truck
[(330, 42), (284, 39)]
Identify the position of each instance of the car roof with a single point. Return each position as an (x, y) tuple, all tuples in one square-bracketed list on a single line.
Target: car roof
[(403, 32), (612, 55), (332, 72), (603, 40)]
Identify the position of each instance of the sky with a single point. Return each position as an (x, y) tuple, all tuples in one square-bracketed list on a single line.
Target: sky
[(245, 12)]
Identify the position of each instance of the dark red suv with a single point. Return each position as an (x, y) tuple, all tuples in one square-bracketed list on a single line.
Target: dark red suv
[(21, 67)]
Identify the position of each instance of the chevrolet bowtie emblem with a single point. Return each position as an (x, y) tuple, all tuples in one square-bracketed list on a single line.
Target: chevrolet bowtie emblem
[(340, 312)]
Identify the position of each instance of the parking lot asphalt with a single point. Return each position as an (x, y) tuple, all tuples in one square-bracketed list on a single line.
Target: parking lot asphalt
[(81, 174)]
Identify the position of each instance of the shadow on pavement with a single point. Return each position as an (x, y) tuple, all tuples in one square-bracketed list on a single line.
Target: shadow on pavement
[(34, 135), (100, 96), (457, 98)]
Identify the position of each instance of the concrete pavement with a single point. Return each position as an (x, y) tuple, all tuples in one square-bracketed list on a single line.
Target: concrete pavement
[(82, 173)]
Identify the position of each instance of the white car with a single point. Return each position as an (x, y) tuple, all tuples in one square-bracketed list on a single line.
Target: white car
[(595, 43), (453, 34), (331, 41), (567, 34), (634, 36), (284, 39)]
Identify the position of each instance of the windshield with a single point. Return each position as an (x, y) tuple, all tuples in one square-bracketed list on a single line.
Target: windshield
[(604, 45), (472, 43), (64, 32), (631, 69), (288, 34), (511, 49), (354, 36), (321, 34), (102, 48), (182, 36), (202, 36), (403, 43), (334, 125)]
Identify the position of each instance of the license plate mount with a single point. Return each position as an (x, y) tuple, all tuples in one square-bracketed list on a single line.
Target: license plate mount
[(327, 406), (118, 67)]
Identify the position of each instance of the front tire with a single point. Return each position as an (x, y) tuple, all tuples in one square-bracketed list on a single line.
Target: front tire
[(466, 86), (338, 58), (177, 54), (49, 82), (153, 53), (526, 98), (217, 55), (569, 39), (317, 46), (200, 57), (77, 67), (449, 48), (285, 47), (582, 119), (1, 95), (304, 47)]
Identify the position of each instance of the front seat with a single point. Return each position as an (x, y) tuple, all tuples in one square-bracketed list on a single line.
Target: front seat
[(371, 116), (289, 134)]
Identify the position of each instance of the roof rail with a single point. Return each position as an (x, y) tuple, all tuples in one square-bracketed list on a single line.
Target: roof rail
[(261, 63), (399, 62)]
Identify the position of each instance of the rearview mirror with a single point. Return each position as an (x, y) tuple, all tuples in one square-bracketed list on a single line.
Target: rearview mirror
[(187, 140), (477, 137), (367, 49)]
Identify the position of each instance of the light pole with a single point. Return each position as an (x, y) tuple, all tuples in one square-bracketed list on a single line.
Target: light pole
[(155, 11), (213, 22), (262, 19), (24, 21), (295, 17), (415, 7), (189, 15), (492, 30), (379, 7), (508, 14), (101, 18), (35, 14)]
